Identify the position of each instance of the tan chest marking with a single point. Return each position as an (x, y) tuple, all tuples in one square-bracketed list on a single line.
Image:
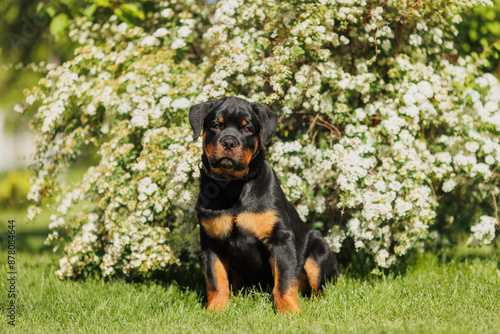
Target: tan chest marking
[(258, 224), (219, 227)]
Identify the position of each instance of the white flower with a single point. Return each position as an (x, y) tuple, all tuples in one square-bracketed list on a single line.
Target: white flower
[(30, 99), (166, 13), (481, 168), (449, 185), (303, 211), (320, 204), (88, 235), (353, 226), (182, 103), (122, 28), (334, 240), (151, 189), (425, 88), (93, 217), (415, 40), (444, 157), (160, 32), (395, 185), (472, 146), (150, 41), (401, 206), (140, 118), (144, 183), (124, 108), (381, 258), (380, 186), (484, 231), (421, 25), (178, 43), (141, 165), (163, 89), (386, 45), (183, 32), (420, 194), (294, 181), (165, 101), (20, 107), (56, 223), (344, 40), (91, 109), (158, 207), (65, 270)]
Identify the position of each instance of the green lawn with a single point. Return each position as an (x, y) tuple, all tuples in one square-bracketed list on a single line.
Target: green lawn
[(456, 293)]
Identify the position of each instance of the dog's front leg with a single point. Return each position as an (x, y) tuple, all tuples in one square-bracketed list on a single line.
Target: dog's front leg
[(216, 276), (283, 262)]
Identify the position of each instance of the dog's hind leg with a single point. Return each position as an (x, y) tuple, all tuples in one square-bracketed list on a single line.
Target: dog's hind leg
[(321, 264)]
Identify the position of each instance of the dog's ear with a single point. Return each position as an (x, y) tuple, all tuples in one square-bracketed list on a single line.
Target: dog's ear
[(197, 114), (268, 121)]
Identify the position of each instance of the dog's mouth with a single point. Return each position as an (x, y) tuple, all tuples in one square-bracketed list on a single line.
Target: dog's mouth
[(227, 164), (233, 164)]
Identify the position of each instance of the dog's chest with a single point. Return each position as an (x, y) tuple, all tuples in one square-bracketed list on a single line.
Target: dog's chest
[(258, 224)]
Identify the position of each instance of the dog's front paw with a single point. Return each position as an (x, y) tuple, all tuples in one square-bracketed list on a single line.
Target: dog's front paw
[(217, 300), (287, 303)]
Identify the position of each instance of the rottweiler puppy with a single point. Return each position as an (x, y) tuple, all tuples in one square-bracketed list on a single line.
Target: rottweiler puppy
[(250, 233)]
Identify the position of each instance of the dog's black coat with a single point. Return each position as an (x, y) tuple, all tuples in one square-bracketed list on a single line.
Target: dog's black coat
[(250, 233)]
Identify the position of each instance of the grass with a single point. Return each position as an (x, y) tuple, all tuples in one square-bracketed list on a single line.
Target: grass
[(454, 292)]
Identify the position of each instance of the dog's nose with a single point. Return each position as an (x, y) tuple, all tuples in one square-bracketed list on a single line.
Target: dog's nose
[(229, 142)]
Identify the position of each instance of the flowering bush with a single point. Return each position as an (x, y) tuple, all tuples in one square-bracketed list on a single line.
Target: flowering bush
[(381, 121)]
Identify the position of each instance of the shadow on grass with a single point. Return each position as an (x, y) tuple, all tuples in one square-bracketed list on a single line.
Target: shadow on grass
[(361, 266), (193, 279), (462, 252)]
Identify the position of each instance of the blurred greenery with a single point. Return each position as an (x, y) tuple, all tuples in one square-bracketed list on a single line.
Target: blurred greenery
[(14, 188), (479, 34), (25, 38), (37, 31)]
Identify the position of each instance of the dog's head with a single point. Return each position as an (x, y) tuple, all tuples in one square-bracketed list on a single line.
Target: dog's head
[(234, 132)]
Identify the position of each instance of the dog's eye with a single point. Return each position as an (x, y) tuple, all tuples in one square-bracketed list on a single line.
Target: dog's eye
[(216, 126), (247, 130)]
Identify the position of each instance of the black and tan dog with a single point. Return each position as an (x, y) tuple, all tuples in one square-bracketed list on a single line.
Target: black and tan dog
[(250, 233)]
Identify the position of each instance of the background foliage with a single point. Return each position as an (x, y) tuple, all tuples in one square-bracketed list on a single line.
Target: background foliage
[(480, 35), (387, 128)]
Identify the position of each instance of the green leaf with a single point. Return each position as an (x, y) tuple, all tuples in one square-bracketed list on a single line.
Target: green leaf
[(58, 25), (493, 27), (318, 225), (90, 10), (134, 10), (51, 10), (12, 13), (130, 13), (102, 3)]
